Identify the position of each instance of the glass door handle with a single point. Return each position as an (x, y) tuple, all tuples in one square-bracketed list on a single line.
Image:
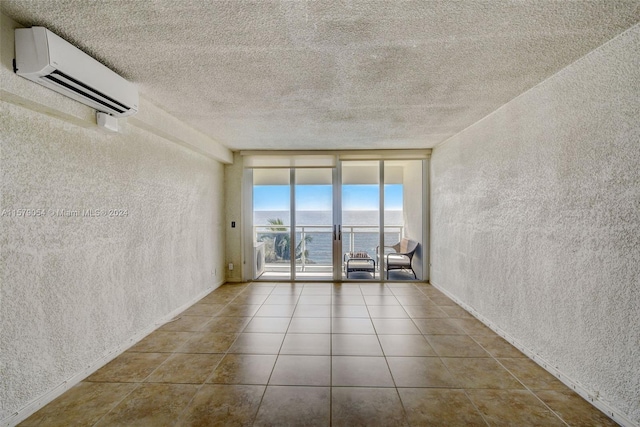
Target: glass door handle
[(334, 232), (339, 232)]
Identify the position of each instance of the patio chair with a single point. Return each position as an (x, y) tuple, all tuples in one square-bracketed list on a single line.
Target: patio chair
[(401, 258)]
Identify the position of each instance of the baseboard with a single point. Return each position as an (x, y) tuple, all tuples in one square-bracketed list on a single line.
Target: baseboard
[(584, 392), (49, 396)]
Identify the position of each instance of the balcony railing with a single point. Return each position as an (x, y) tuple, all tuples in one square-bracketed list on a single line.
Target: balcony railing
[(314, 244)]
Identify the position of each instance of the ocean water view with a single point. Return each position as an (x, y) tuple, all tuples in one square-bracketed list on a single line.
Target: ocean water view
[(359, 231)]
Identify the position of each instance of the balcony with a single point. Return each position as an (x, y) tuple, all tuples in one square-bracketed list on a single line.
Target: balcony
[(313, 249)]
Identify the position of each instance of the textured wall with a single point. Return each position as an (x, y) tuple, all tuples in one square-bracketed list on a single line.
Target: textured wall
[(74, 289), (536, 220)]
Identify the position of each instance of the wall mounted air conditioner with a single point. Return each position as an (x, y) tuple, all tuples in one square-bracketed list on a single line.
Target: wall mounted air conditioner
[(47, 59)]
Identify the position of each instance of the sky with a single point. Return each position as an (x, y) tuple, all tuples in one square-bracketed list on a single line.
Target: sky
[(319, 197)]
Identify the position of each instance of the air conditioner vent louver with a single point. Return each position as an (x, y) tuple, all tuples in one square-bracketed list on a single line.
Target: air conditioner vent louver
[(84, 90), (47, 59)]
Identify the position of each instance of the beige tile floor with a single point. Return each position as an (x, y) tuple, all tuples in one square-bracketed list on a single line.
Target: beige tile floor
[(279, 354)]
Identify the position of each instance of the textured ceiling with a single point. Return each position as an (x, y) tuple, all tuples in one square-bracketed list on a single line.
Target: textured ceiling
[(332, 74)]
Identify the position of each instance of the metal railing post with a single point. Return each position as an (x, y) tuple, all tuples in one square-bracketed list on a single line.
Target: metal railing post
[(303, 247), (352, 240)]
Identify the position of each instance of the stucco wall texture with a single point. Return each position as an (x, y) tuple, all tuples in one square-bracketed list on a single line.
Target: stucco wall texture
[(76, 288), (536, 220)]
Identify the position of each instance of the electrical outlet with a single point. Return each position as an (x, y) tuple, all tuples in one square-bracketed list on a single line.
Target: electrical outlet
[(230, 266)]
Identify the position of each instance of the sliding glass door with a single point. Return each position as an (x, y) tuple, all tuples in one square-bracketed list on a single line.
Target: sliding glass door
[(404, 220), (360, 185), (314, 223), (363, 220), (293, 223), (272, 219)]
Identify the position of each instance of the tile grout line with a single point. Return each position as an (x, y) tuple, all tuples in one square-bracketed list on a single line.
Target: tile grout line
[(511, 373), (277, 355), (118, 403), (143, 381), (461, 388), (525, 386), (183, 414), (331, 356), (404, 410), (491, 356), (244, 291)]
